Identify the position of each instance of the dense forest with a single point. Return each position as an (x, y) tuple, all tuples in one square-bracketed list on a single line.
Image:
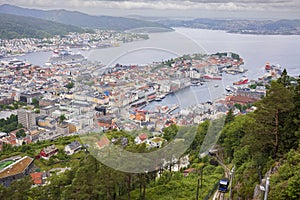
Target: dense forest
[(260, 144), (13, 26), (266, 142)]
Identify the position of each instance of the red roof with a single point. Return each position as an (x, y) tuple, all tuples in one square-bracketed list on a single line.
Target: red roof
[(143, 136), (37, 178), (103, 142), (241, 99), (13, 142)]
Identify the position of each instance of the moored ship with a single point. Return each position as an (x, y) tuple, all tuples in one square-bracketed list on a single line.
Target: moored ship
[(212, 77), (241, 82)]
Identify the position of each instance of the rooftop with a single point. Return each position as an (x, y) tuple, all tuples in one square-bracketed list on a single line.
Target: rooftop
[(50, 149), (16, 168), (37, 178)]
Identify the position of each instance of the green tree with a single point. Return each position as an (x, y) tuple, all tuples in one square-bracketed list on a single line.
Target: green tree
[(230, 116), (284, 79), (285, 183), (35, 102), (70, 85), (238, 106), (18, 189), (270, 109), (232, 134), (62, 117), (20, 133), (170, 132)]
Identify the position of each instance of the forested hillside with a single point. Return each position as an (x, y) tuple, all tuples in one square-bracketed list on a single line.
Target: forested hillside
[(261, 142), (79, 19), (13, 26)]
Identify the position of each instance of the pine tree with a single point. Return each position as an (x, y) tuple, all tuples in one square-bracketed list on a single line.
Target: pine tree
[(277, 102), (230, 116)]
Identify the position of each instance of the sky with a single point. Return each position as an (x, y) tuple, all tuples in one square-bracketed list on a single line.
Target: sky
[(246, 9)]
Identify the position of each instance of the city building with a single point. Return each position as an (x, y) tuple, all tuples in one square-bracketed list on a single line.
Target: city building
[(63, 128), (27, 118), (6, 100), (48, 110), (28, 97)]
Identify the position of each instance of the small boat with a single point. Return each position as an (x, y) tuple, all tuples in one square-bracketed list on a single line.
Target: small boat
[(85, 48), (229, 89), (268, 66), (212, 77), (241, 82), (160, 97)]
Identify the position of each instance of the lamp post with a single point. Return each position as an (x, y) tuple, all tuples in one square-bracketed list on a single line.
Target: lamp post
[(231, 179)]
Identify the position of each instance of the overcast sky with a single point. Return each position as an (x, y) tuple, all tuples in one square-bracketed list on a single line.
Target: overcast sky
[(174, 8)]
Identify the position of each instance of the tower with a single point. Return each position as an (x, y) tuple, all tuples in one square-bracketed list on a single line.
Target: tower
[(27, 118)]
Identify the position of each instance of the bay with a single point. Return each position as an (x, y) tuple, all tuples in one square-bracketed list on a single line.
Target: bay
[(256, 50)]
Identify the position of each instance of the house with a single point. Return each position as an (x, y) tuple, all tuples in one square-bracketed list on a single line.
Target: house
[(16, 170), (11, 139), (103, 142), (107, 123), (39, 178), (49, 151), (141, 138), (73, 147), (155, 142)]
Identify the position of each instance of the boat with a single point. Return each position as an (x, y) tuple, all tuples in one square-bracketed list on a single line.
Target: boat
[(56, 51), (228, 89), (85, 48), (139, 104), (164, 109), (167, 109), (268, 66), (241, 82), (174, 107), (160, 97), (212, 77)]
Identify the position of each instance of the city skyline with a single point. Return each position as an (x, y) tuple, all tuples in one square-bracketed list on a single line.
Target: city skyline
[(251, 9)]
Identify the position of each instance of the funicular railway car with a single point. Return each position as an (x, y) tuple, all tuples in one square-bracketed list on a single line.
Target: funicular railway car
[(223, 185)]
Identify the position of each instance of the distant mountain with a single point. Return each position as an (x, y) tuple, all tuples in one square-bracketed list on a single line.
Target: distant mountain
[(80, 19), (14, 26), (279, 27)]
